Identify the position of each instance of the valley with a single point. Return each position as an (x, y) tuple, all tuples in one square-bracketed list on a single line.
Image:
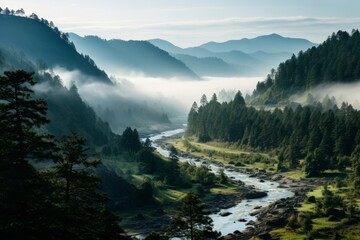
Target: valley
[(158, 121)]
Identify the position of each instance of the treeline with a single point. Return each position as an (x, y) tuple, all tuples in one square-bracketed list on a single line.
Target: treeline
[(335, 60), (325, 136), (61, 202)]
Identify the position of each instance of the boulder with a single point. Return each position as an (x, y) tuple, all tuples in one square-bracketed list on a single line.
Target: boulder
[(242, 220), (277, 177), (225, 214), (254, 195), (311, 199)]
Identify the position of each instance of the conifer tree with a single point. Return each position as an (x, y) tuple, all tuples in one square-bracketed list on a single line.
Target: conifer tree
[(192, 221)]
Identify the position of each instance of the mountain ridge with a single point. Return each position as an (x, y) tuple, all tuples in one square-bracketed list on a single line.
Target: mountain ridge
[(132, 56)]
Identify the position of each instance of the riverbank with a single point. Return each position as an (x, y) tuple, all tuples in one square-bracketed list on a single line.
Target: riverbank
[(272, 216)]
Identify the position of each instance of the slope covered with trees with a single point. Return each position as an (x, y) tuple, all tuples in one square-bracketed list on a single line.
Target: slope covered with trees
[(337, 60), (41, 41), (66, 110), (325, 136)]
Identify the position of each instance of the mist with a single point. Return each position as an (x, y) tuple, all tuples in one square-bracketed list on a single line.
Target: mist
[(344, 92), (146, 102), (185, 92)]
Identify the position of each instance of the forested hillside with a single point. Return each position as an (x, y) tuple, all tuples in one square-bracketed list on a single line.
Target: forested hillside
[(323, 135), (41, 41), (337, 60), (67, 111)]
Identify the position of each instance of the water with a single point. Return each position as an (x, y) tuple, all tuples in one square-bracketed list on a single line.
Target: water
[(230, 223)]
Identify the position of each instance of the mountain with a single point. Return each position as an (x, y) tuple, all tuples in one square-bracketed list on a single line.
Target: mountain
[(239, 63), (38, 46), (46, 44), (210, 66), (118, 56), (337, 60), (268, 43)]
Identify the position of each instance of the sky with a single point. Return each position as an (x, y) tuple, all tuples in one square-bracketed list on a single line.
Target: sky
[(193, 22)]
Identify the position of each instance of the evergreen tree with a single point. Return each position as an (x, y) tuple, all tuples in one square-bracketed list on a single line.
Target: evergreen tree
[(203, 100), (23, 202), (84, 214), (192, 221)]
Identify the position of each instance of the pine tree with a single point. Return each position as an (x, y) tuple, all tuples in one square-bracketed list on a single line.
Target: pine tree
[(23, 201), (192, 222), (84, 214)]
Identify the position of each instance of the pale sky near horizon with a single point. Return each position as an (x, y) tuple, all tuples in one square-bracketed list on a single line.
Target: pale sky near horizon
[(193, 22)]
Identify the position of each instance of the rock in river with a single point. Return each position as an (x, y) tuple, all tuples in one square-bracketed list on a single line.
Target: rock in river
[(254, 195)]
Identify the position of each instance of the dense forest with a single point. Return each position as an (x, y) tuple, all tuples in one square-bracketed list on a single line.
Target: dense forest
[(325, 135), (334, 61)]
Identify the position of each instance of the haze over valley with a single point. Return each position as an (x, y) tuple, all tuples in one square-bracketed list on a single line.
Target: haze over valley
[(193, 120)]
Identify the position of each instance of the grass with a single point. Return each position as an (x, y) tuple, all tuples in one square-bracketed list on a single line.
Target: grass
[(295, 174), (320, 224), (224, 153), (286, 234)]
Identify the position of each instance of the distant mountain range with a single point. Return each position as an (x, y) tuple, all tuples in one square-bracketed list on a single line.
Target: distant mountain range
[(124, 57), (254, 57), (272, 43)]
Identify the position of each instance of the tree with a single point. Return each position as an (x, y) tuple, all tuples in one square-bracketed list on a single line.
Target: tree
[(130, 140), (203, 100), (192, 222), (23, 202), (214, 98), (84, 214)]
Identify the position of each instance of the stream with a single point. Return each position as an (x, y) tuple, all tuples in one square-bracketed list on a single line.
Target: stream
[(231, 223)]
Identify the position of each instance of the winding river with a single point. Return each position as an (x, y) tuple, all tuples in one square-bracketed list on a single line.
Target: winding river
[(230, 223)]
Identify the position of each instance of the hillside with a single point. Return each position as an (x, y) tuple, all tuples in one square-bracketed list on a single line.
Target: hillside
[(44, 43), (67, 112), (211, 66), (268, 43), (337, 60), (124, 57)]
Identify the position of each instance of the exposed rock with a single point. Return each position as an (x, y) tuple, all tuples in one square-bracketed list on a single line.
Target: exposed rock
[(225, 214), (276, 177), (255, 194), (311, 199), (257, 207), (242, 220), (254, 213), (250, 223)]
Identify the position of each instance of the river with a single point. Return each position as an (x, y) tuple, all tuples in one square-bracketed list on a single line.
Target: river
[(230, 223)]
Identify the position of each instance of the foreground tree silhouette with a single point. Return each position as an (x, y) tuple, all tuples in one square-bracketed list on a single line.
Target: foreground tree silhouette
[(23, 193), (192, 221), (84, 211)]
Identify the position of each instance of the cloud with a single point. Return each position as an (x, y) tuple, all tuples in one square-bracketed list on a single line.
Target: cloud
[(317, 29)]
